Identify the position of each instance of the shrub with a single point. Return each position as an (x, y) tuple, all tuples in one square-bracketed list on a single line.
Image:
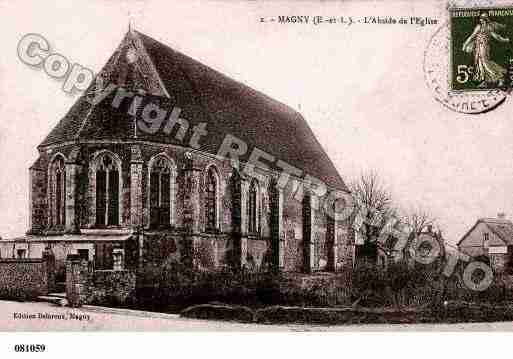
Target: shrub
[(219, 312), (398, 286), (421, 286), (174, 286)]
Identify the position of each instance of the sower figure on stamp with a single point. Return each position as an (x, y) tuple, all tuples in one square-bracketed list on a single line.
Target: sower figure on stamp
[(486, 71)]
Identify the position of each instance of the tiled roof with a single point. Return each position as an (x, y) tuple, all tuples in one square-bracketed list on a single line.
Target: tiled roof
[(173, 79), (502, 228)]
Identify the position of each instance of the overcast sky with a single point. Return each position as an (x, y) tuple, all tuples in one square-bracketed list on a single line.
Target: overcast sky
[(361, 89)]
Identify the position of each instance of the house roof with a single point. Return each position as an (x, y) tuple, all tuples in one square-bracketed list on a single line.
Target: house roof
[(228, 107), (502, 228)]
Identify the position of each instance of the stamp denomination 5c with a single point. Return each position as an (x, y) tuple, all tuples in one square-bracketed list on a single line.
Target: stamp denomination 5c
[(481, 49)]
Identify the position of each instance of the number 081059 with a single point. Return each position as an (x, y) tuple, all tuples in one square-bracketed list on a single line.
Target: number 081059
[(29, 348)]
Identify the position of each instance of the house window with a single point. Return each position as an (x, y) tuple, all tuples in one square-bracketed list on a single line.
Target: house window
[(107, 191), (211, 200), (486, 238), (253, 208), (161, 192), (57, 192)]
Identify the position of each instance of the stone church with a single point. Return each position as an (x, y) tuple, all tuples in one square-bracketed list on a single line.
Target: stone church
[(108, 180)]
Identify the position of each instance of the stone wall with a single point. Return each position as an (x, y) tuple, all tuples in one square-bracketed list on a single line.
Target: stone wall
[(344, 246), (23, 278), (160, 247), (209, 252), (258, 256), (34, 249), (38, 189), (213, 252), (292, 234), (78, 280), (84, 285)]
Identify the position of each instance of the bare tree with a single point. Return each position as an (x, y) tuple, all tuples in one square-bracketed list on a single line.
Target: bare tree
[(370, 193), (373, 199), (419, 219)]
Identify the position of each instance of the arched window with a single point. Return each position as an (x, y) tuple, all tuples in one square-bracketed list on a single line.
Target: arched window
[(107, 191), (253, 208), (57, 192), (161, 192), (211, 200)]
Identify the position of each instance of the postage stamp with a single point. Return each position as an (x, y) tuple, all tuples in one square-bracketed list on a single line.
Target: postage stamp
[(437, 71), (468, 62), (480, 45)]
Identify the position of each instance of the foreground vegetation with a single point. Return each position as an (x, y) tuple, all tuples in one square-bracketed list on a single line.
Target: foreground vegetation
[(400, 294)]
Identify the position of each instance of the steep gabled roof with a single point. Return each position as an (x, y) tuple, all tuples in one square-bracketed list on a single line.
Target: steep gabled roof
[(228, 107), (502, 228)]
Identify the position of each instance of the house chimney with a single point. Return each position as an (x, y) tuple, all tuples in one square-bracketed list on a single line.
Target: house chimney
[(501, 215)]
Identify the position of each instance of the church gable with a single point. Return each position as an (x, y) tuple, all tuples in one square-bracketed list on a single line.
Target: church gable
[(130, 67)]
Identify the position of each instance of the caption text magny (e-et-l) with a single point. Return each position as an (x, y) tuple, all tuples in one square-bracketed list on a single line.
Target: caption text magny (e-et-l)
[(350, 20)]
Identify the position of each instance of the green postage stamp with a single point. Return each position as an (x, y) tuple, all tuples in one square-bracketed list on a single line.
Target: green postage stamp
[(481, 48)]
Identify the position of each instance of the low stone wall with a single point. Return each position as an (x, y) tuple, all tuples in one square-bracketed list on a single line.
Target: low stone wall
[(23, 278), (84, 285)]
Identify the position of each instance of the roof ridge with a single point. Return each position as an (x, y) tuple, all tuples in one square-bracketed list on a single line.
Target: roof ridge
[(245, 86), (140, 47), (112, 59), (491, 219), (497, 233)]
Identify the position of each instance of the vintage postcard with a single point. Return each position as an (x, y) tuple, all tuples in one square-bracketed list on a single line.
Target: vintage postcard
[(256, 166)]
